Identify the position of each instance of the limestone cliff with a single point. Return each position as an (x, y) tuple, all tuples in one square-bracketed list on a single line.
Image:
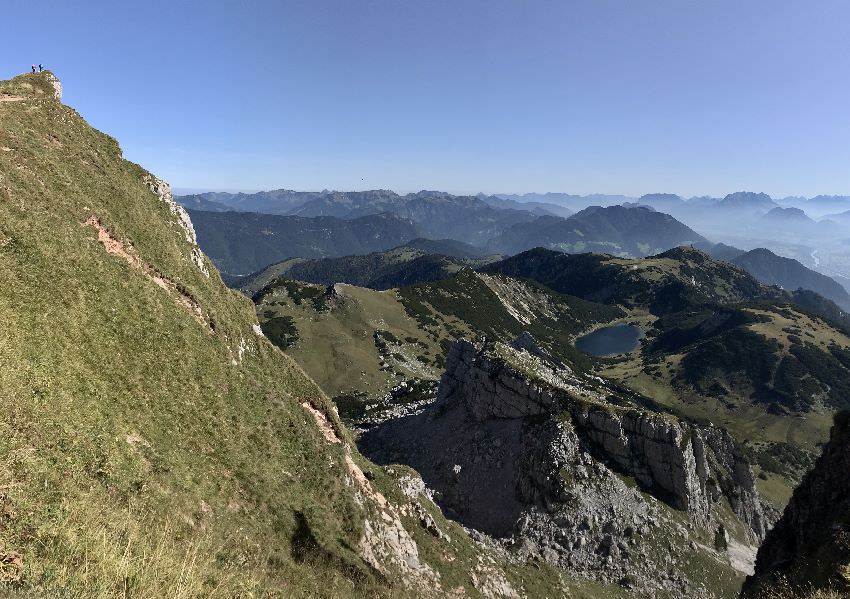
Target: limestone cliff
[(809, 548), (570, 470)]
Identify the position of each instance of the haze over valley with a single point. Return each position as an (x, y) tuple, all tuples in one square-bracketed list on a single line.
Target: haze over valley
[(336, 386)]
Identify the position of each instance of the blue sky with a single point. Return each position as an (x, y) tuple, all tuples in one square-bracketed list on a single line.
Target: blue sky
[(459, 95)]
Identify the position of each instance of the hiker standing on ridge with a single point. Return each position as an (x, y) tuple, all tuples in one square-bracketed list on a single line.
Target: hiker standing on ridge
[(40, 68), (33, 68)]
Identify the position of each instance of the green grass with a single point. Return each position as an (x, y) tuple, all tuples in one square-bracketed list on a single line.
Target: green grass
[(128, 430), (143, 454), (341, 348)]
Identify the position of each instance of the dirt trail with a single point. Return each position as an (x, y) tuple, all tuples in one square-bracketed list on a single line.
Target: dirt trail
[(116, 248), (11, 99)]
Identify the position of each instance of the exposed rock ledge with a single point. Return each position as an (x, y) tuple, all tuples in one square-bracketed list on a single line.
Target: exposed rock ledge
[(163, 191), (690, 467), (809, 548), (525, 450)]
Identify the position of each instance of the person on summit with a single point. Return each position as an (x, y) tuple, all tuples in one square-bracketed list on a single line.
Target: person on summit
[(33, 68), (40, 67)]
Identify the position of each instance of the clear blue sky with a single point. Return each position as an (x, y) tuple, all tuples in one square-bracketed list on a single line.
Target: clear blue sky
[(459, 95)]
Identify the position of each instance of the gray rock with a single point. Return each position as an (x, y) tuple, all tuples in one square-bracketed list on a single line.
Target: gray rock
[(537, 456)]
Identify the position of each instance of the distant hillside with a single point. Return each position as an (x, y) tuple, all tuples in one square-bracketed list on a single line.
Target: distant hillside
[(573, 202), (747, 201), (245, 242), (446, 247), (720, 251), (840, 217), (789, 274), (793, 216), (614, 230), (406, 265), (824, 204), (663, 202), (466, 218), (350, 204), (539, 208), (279, 201), (667, 282), (199, 202)]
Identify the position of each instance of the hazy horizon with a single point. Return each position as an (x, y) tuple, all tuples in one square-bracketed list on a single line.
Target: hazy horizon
[(491, 96), (178, 190)]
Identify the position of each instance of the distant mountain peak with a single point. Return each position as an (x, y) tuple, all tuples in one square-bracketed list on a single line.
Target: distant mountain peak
[(788, 214), (748, 199), (665, 197)]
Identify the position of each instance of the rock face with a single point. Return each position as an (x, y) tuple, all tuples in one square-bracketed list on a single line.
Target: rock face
[(163, 191), (57, 85), (809, 548), (563, 469), (690, 467), (491, 389)]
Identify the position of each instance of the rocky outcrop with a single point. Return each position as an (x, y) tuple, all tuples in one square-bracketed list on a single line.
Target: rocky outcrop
[(809, 548), (492, 389), (57, 85), (565, 470), (163, 191), (690, 467)]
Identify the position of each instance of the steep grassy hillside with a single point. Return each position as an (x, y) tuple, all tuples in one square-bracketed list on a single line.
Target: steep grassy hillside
[(152, 444)]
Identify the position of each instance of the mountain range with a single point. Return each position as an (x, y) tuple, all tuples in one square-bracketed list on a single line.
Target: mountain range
[(439, 435), (244, 242)]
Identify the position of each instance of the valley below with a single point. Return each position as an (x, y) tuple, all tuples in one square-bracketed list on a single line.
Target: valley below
[(498, 390), (370, 394)]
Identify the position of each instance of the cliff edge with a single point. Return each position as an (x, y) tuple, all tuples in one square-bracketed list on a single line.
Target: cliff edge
[(809, 548)]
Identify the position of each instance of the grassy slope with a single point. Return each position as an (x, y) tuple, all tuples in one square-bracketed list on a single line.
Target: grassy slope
[(336, 345), (129, 436), (136, 459)]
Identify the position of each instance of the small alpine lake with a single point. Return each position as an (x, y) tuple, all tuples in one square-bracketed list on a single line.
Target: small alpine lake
[(610, 341)]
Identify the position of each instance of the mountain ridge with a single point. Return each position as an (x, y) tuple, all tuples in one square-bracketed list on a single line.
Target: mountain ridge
[(618, 230), (788, 273), (155, 443), (244, 242)]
